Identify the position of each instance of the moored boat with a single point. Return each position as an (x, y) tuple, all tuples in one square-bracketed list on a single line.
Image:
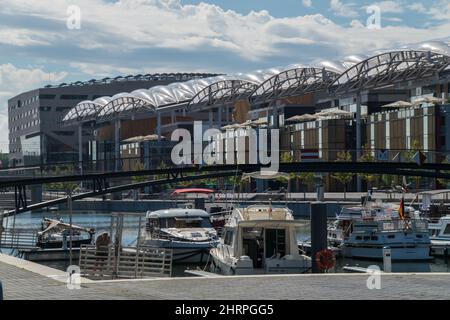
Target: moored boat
[(55, 234), (188, 232), (259, 239), (440, 236)]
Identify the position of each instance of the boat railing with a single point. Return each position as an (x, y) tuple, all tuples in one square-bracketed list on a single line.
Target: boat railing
[(415, 225)]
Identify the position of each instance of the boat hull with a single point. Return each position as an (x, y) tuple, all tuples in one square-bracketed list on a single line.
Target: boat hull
[(59, 244), (440, 247), (398, 253), (183, 252), (220, 266)]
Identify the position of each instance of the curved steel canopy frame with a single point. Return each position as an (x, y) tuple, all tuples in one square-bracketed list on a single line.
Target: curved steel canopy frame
[(124, 105), (383, 69), (294, 82), (390, 68), (85, 111), (221, 93)]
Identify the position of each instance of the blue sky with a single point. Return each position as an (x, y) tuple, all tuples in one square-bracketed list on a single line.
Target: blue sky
[(148, 36)]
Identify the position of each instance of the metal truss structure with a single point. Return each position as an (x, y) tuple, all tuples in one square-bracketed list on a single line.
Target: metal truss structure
[(294, 82), (390, 68), (352, 74)]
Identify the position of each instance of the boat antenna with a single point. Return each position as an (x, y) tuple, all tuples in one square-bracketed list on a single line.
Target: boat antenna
[(234, 187)]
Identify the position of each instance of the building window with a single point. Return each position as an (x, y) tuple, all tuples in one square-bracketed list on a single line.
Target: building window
[(73, 97), (61, 109), (47, 96)]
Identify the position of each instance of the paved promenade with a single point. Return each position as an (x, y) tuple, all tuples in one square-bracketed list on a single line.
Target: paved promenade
[(20, 283)]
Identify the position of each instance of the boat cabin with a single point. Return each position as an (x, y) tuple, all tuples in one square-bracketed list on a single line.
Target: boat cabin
[(178, 218), (261, 233)]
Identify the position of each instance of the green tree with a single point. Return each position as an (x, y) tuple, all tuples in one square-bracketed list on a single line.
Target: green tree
[(139, 167), (445, 182), (344, 177), (369, 178), (286, 157), (409, 155), (63, 186), (306, 178)]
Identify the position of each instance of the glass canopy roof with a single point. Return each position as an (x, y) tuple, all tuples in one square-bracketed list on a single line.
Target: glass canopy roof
[(354, 72)]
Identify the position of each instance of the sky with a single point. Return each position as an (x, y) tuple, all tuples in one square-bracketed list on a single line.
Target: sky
[(48, 42)]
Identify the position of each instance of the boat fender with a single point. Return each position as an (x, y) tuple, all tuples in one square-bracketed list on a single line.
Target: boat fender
[(325, 260)]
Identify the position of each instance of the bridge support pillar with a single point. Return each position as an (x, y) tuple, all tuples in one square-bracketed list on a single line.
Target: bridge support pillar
[(318, 216), (36, 193)]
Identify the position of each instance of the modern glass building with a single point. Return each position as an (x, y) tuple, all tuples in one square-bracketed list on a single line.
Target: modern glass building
[(36, 131)]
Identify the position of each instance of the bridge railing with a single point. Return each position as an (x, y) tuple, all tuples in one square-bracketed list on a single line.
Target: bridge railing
[(137, 163)]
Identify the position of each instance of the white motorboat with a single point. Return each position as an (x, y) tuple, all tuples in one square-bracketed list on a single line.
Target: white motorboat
[(408, 240), (188, 232), (362, 232), (341, 228), (440, 236), (259, 239)]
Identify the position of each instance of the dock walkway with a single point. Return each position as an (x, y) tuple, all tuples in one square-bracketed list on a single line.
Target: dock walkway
[(34, 282)]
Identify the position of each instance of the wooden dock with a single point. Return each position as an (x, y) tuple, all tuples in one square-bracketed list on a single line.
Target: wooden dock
[(31, 281)]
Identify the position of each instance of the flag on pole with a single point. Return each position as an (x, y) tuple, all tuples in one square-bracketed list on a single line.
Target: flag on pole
[(401, 210)]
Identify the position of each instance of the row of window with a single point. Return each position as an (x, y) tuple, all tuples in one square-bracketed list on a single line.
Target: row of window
[(24, 114), (35, 111), (25, 125), (23, 103)]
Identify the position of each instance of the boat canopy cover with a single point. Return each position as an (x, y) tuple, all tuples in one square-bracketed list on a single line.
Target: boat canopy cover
[(192, 190), (177, 213)]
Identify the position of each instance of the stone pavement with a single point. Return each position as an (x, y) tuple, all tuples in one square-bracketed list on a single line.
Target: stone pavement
[(23, 284)]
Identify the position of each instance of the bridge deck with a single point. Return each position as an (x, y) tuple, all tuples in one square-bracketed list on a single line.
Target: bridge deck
[(39, 283)]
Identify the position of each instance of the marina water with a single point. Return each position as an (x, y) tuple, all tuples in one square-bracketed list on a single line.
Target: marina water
[(101, 222)]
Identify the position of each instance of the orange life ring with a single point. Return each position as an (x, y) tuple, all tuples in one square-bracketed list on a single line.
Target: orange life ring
[(325, 260)]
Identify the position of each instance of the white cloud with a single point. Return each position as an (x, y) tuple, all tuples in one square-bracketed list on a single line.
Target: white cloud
[(440, 10), (15, 80), (307, 3), (390, 6), (124, 26), (4, 142), (343, 10), (100, 70), (24, 37), (417, 7), (393, 19)]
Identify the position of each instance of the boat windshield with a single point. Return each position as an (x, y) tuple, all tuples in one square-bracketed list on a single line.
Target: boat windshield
[(182, 222)]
